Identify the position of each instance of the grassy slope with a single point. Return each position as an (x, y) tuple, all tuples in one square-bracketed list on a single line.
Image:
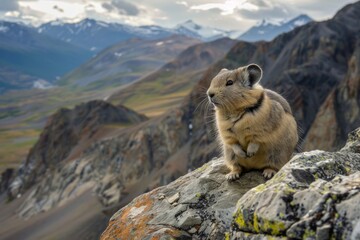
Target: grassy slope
[(24, 113)]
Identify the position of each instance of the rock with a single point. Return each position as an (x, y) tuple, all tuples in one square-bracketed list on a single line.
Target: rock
[(65, 130), (340, 113), (174, 198), (205, 200), (5, 179), (315, 196), (305, 197)]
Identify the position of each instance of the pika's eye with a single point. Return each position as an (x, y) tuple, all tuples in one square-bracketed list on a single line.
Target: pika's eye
[(229, 82)]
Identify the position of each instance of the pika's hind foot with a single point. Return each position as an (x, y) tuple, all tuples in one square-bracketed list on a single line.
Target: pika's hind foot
[(269, 173)]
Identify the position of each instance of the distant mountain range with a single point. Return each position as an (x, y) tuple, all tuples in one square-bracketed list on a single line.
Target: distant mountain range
[(267, 31), (48, 52), (192, 29), (126, 61), (24, 50), (96, 35)]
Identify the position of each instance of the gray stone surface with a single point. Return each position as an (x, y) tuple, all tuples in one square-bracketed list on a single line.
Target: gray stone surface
[(315, 196)]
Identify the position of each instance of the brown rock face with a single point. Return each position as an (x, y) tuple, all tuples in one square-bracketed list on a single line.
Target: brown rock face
[(340, 113), (64, 130)]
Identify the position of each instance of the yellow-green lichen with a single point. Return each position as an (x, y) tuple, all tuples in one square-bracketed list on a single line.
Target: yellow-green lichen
[(202, 168), (240, 221), (256, 223), (273, 227), (227, 236), (260, 225), (260, 188), (309, 234)]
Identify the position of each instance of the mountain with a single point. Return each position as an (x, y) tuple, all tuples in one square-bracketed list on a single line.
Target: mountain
[(165, 88), (24, 50), (126, 61), (192, 29), (267, 31), (68, 132), (306, 65), (96, 35)]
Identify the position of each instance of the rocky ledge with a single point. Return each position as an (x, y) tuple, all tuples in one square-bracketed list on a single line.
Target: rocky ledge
[(315, 196)]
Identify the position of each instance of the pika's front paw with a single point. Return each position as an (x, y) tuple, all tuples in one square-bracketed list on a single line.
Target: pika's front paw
[(250, 154), (269, 173), (238, 150), (252, 149), (233, 176)]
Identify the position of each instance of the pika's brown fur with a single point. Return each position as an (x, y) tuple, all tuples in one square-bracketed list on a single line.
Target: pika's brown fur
[(255, 125)]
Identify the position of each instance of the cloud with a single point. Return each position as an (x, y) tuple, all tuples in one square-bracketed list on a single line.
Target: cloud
[(224, 14), (266, 10), (9, 5), (58, 8), (121, 6), (228, 7)]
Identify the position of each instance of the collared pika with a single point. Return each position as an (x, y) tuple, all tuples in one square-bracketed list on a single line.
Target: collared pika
[(255, 125)]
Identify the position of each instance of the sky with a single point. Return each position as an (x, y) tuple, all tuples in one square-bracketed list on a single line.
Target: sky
[(224, 14)]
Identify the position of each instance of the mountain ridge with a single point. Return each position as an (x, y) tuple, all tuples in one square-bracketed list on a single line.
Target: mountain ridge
[(266, 31)]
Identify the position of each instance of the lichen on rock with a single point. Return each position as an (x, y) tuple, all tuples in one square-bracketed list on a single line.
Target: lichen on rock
[(315, 196)]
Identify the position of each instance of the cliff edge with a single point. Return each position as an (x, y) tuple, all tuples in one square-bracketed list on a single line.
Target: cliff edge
[(316, 195)]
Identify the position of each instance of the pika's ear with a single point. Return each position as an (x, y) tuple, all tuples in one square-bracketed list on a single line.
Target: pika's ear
[(223, 70), (254, 74)]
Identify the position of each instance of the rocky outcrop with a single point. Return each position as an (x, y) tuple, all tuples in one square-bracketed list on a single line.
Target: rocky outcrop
[(118, 167), (340, 113), (64, 131), (316, 195)]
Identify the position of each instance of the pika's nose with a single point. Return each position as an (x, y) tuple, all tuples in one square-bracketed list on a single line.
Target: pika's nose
[(211, 95)]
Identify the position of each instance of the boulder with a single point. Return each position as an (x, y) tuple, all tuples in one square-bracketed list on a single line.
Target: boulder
[(316, 196)]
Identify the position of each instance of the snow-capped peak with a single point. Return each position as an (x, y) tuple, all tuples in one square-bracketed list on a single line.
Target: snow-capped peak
[(267, 22), (190, 24), (300, 20), (207, 33), (269, 29), (57, 22)]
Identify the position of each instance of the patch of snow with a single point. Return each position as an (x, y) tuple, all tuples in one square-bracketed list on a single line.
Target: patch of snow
[(261, 32), (4, 29), (203, 31), (68, 40), (300, 22), (267, 22), (159, 43), (93, 49), (118, 54), (56, 23), (42, 84), (103, 24), (40, 30)]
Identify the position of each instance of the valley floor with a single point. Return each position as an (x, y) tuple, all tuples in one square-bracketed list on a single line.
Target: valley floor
[(84, 213)]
